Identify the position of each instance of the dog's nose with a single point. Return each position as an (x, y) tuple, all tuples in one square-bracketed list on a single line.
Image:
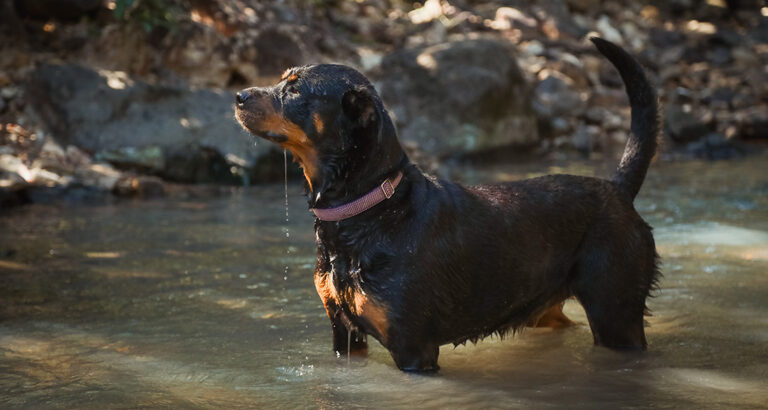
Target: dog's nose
[(241, 97)]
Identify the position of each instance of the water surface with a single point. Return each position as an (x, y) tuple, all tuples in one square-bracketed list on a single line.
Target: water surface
[(187, 303)]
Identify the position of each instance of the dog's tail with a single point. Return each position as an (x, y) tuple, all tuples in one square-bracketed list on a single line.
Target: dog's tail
[(641, 145)]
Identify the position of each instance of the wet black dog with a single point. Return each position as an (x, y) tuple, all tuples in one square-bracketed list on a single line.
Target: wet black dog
[(434, 262)]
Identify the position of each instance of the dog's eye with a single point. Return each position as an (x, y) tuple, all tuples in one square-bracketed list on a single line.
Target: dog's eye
[(293, 90)]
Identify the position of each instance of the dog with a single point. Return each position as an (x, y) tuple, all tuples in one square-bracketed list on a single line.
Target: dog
[(417, 262)]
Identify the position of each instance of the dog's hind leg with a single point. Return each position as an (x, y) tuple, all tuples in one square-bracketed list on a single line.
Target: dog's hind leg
[(612, 282), (553, 318)]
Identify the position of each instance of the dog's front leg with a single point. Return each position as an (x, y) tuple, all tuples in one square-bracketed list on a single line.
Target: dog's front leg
[(346, 341), (416, 356)]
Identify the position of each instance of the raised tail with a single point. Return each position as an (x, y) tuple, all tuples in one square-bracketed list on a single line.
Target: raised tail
[(641, 145)]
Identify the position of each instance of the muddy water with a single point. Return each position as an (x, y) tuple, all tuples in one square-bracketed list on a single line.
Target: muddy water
[(187, 304)]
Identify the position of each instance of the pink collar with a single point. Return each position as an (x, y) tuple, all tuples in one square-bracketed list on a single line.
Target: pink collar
[(362, 204)]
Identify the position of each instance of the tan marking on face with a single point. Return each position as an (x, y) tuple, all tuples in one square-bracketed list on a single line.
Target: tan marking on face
[(296, 139), (318, 123), (285, 74), (358, 303), (292, 78)]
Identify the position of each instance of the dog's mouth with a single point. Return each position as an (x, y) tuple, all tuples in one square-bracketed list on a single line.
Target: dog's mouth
[(253, 124), (271, 136), (276, 129)]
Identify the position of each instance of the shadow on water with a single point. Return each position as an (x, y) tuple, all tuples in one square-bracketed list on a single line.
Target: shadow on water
[(186, 303)]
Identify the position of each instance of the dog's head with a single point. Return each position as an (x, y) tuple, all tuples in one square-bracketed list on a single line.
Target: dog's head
[(333, 122)]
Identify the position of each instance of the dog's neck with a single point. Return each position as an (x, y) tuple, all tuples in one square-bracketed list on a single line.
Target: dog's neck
[(345, 183), (348, 175), (376, 196)]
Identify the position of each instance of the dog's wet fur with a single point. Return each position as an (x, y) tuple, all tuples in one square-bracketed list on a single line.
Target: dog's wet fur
[(441, 263)]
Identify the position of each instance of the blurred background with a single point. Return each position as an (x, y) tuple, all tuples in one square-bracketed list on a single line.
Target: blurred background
[(134, 97)]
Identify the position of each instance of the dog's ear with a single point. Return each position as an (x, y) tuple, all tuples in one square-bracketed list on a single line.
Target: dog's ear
[(360, 107)]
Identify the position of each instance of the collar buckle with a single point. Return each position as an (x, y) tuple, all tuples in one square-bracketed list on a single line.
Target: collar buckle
[(387, 188)]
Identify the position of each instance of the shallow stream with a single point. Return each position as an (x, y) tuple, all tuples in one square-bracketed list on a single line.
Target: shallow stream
[(187, 303)]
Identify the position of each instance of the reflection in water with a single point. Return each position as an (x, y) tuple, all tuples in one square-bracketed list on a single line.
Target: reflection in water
[(183, 303)]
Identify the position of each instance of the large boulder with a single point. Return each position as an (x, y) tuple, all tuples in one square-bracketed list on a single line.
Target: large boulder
[(682, 126), (150, 128), (458, 97)]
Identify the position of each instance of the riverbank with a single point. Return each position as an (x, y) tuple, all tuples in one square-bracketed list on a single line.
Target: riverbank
[(135, 98)]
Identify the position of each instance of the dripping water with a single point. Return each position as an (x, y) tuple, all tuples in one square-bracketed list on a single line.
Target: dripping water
[(285, 185), (287, 235), (285, 227)]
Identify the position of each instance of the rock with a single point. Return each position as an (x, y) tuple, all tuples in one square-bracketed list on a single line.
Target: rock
[(136, 124), (586, 138), (605, 118), (582, 5), (555, 96), (714, 146), (145, 159), (14, 167), (508, 17), (56, 9), (10, 180), (558, 23), (458, 97), (663, 38), (560, 126), (755, 124), (745, 4), (669, 58), (681, 126), (582, 140), (9, 93), (199, 164), (532, 47), (201, 60), (727, 37), (369, 59), (141, 186), (77, 157), (430, 11), (54, 158), (278, 49), (720, 94), (719, 55), (607, 31), (47, 178), (99, 176)]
